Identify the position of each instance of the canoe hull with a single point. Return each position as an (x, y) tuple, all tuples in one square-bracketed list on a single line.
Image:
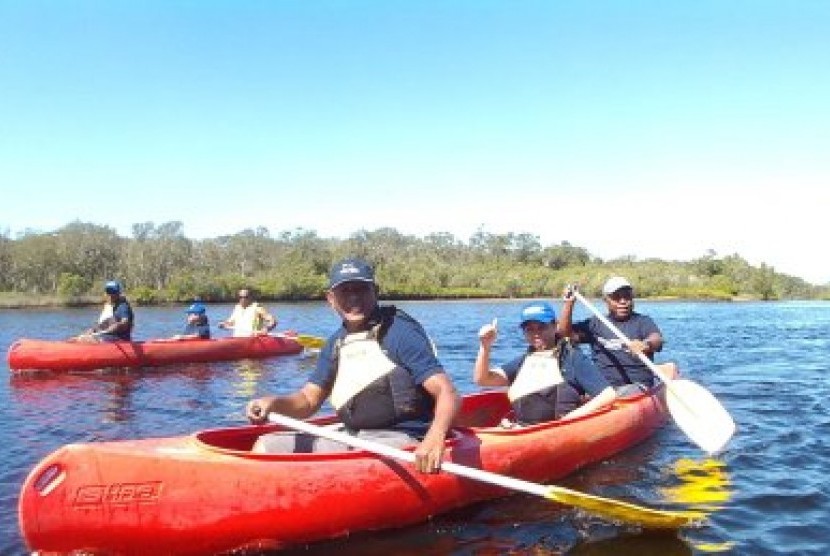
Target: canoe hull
[(27, 354), (207, 493)]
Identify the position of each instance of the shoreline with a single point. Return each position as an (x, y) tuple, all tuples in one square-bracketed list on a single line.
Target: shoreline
[(15, 301)]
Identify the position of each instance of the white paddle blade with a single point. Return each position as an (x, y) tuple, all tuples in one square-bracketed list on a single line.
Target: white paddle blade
[(699, 414)]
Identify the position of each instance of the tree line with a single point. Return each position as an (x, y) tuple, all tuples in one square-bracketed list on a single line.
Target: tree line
[(159, 264)]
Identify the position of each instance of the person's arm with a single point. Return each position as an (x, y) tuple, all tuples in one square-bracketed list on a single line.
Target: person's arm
[(650, 339), (605, 397), (229, 322), (581, 332), (587, 378), (300, 404), (269, 320), (118, 322), (483, 375), (564, 326), (430, 451)]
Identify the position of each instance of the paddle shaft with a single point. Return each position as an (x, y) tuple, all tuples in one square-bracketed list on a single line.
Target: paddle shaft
[(613, 509), (304, 340), (409, 457), (618, 333), (694, 409)]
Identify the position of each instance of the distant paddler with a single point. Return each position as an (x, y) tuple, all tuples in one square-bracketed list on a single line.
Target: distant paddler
[(249, 318), (115, 323)]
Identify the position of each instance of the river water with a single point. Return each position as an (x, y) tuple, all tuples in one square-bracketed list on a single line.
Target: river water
[(766, 362)]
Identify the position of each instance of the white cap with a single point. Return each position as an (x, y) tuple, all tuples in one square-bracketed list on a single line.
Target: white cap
[(614, 284)]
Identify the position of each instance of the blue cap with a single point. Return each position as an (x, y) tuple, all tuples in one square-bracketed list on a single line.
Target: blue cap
[(351, 270), (540, 311), (112, 287), (196, 308)]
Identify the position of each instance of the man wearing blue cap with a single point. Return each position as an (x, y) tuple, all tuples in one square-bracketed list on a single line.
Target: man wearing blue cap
[(379, 371), (618, 360), (197, 325), (115, 323), (550, 379)]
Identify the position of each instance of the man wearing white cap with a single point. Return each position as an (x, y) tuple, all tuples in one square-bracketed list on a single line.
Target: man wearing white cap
[(619, 362)]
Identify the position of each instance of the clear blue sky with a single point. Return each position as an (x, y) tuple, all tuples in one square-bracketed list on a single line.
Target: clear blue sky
[(654, 129)]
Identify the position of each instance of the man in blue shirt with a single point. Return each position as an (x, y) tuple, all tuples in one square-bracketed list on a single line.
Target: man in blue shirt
[(379, 372), (617, 360), (115, 323)]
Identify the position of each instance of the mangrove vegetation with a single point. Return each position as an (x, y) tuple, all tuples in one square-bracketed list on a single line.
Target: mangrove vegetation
[(159, 264)]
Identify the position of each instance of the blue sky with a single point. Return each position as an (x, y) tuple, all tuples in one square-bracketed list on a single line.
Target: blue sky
[(653, 129)]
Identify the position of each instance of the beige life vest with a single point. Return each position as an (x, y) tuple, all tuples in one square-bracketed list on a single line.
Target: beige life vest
[(539, 371), (246, 320), (106, 312), (361, 362)]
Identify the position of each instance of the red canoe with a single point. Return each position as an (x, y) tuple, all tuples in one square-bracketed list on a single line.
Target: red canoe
[(26, 354), (207, 493)]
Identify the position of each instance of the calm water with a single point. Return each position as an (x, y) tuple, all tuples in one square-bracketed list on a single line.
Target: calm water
[(767, 362)]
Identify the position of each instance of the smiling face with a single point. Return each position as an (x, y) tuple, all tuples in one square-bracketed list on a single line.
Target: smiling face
[(620, 303), (244, 297), (539, 335), (354, 301)]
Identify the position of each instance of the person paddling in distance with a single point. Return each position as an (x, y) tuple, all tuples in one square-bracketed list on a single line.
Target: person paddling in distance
[(115, 323), (378, 370), (197, 325), (617, 360), (249, 318), (550, 379)]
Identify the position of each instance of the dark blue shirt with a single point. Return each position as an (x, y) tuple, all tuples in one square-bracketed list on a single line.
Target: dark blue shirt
[(200, 329), (120, 311), (619, 365), (405, 342)]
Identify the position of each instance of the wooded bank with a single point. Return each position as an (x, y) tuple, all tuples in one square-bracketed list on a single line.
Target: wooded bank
[(158, 264)]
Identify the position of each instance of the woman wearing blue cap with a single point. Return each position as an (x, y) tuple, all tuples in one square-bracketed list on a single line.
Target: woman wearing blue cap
[(550, 379), (115, 323), (197, 325)]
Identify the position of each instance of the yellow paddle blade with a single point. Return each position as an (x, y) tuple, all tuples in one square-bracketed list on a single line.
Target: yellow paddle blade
[(309, 342), (618, 510)]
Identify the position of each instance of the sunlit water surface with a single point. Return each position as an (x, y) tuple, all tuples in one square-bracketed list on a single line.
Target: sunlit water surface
[(766, 362)]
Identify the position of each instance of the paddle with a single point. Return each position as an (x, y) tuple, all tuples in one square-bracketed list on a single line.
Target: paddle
[(694, 409), (310, 342), (604, 507)]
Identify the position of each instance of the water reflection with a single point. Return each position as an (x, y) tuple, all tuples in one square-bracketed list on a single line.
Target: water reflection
[(118, 406), (247, 377), (776, 391), (703, 485)]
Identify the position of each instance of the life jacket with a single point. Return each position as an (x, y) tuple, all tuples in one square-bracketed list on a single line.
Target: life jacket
[(106, 313), (539, 392), (107, 319), (370, 390), (246, 320)]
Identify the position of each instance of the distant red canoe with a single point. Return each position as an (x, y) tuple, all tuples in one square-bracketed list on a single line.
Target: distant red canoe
[(26, 354)]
